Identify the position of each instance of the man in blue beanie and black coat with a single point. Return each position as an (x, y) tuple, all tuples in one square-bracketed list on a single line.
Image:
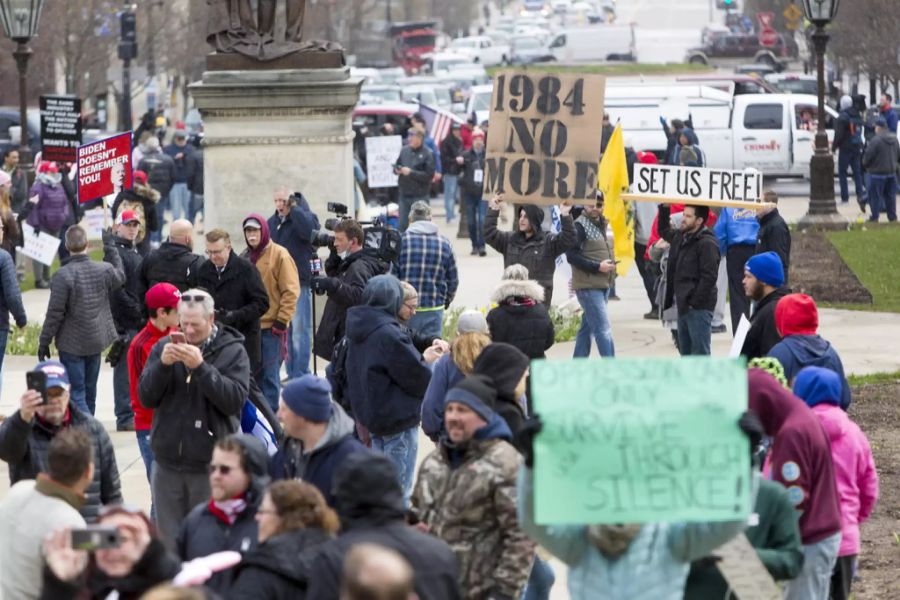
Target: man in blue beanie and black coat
[(764, 285)]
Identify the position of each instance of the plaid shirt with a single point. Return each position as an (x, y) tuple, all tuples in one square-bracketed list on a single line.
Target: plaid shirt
[(427, 262)]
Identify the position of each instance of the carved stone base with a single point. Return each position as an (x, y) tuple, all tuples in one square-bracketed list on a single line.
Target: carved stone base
[(298, 60), (264, 128)]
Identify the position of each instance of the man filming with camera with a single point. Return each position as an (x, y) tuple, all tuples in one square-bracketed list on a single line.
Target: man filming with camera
[(348, 268)]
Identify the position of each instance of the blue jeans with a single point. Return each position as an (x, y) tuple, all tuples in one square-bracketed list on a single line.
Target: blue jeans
[(429, 322), (451, 186), (405, 203), (196, 206), (269, 378), (4, 336), (476, 209), (161, 207), (852, 159), (301, 335), (83, 372), (143, 440), (180, 201), (540, 581), (694, 332), (401, 449), (883, 196), (121, 390), (594, 322)]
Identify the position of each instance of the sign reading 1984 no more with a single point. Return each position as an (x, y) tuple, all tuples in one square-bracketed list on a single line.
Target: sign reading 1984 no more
[(544, 139), (60, 128)]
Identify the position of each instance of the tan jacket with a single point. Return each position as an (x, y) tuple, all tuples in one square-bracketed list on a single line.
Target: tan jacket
[(279, 275)]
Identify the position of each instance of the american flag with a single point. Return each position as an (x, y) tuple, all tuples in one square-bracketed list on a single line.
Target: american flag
[(438, 121)]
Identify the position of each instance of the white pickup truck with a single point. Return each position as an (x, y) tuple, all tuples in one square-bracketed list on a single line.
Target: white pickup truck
[(769, 132), (481, 49)]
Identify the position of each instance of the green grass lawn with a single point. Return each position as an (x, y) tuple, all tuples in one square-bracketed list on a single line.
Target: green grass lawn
[(871, 252), (96, 254), (620, 69)]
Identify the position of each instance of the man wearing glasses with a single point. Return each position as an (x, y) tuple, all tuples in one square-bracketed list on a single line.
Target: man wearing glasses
[(196, 380)]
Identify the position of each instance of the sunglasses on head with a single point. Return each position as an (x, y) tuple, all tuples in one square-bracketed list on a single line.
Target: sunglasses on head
[(223, 469), (193, 298)]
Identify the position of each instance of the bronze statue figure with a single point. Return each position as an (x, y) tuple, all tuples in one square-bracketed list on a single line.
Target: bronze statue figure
[(234, 28)]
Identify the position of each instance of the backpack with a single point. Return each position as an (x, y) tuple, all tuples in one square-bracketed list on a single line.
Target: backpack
[(336, 373), (856, 129)]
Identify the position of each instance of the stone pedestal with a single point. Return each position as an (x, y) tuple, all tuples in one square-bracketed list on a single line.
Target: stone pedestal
[(269, 127)]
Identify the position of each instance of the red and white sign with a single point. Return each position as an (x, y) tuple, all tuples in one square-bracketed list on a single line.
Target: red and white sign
[(104, 167), (768, 38)]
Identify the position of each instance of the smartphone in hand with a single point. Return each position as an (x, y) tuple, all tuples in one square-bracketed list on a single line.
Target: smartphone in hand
[(37, 381), (177, 337)]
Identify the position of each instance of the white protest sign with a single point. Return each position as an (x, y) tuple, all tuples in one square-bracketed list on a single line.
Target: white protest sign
[(42, 247), (381, 156), (692, 185), (740, 335), (95, 222)]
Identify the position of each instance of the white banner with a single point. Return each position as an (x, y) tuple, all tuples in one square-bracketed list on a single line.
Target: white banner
[(697, 185), (41, 248), (94, 222), (381, 155)]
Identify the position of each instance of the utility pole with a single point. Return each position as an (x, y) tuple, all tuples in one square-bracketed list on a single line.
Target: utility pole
[(127, 52)]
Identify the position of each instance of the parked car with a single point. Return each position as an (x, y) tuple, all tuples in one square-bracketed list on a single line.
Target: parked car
[(390, 75), (731, 49), (794, 83), (443, 61), (759, 69), (479, 102), (481, 49), (373, 116), (594, 44), (379, 94), (9, 117), (527, 50)]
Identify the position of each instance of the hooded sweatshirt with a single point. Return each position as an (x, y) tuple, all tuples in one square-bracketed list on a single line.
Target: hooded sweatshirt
[(854, 467), (279, 277), (504, 365), (800, 458), (386, 375), (797, 319)]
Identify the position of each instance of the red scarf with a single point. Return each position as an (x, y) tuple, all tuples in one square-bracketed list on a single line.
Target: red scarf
[(228, 511)]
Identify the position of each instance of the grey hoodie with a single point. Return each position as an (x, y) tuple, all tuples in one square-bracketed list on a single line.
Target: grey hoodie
[(339, 426), (882, 154)]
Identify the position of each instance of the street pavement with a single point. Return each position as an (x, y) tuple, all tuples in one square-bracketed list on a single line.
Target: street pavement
[(863, 339)]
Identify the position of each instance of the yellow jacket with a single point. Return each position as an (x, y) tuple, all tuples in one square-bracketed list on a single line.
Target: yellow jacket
[(279, 275)]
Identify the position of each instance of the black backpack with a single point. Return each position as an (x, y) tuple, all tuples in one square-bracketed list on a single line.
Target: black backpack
[(336, 373), (857, 129)]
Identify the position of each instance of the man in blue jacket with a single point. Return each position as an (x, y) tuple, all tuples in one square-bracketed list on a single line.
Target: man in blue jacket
[(292, 226), (386, 376), (318, 435), (737, 229)]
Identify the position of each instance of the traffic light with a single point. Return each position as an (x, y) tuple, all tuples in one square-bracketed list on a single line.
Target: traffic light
[(727, 4), (128, 40)]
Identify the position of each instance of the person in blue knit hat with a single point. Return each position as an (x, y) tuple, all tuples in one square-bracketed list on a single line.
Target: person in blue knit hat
[(764, 285), (319, 435)]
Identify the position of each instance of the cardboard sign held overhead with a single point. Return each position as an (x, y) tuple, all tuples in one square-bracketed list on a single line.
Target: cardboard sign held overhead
[(104, 167), (693, 185), (60, 128), (544, 139)]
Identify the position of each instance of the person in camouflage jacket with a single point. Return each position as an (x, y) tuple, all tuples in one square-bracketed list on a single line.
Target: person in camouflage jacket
[(466, 495)]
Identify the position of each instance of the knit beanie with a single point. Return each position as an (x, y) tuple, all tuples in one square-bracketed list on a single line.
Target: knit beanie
[(476, 392), (504, 364), (846, 102), (818, 385), (767, 268), (310, 397), (796, 314), (772, 366)]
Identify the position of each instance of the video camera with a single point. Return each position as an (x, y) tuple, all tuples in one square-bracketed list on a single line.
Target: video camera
[(378, 236)]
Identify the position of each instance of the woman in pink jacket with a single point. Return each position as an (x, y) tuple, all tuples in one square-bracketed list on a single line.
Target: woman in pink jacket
[(854, 468)]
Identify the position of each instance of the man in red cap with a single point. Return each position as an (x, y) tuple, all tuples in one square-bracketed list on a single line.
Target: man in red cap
[(162, 304), (797, 320), (141, 200), (127, 312)]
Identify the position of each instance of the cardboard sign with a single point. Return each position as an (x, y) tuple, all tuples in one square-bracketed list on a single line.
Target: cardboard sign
[(60, 128), (41, 248), (745, 573), (381, 156), (640, 440), (104, 167), (544, 140), (693, 185)]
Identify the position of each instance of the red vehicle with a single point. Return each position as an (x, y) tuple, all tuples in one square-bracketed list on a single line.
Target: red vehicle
[(411, 42)]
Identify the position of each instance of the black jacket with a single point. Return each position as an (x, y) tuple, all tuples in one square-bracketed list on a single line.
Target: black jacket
[(774, 236), (172, 263), (24, 448), (157, 566), (241, 299), (763, 334), (148, 205), (295, 233), (195, 409), (450, 149), (126, 303), (843, 137), (370, 505), (160, 170), (693, 266), (280, 568), (474, 161), (421, 161), (882, 154), (527, 327), (352, 272)]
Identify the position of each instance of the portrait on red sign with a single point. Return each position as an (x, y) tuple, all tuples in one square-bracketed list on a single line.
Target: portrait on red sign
[(104, 167)]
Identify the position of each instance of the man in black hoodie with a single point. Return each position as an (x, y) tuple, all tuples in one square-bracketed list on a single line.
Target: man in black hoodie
[(369, 502), (529, 246), (764, 285), (691, 275)]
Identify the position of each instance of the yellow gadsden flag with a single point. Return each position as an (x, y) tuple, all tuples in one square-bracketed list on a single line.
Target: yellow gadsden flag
[(612, 181)]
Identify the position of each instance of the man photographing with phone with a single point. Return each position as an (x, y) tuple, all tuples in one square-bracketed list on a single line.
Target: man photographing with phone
[(26, 435)]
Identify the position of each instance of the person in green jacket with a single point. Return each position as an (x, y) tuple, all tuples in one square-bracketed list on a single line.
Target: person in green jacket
[(776, 537)]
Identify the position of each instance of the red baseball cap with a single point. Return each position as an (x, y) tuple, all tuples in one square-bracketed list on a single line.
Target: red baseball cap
[(127, 216), (140, 176), (162, 295)]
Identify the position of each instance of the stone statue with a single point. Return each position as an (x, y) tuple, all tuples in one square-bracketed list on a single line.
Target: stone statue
[(234, 28)]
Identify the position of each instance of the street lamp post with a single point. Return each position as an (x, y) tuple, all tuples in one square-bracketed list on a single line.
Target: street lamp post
[(822, 212), (20, 22)]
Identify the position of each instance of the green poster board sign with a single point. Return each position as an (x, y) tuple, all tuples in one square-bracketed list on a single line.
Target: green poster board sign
[(640, 440)]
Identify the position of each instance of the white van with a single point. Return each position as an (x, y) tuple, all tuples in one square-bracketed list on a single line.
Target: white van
[(593, 44)]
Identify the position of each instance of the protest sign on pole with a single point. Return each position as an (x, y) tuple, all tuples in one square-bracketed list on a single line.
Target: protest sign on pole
[(42, 247), (104, 167), (60, 128), (640, 440), (544, 140), (665, 184), (381, 156)]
